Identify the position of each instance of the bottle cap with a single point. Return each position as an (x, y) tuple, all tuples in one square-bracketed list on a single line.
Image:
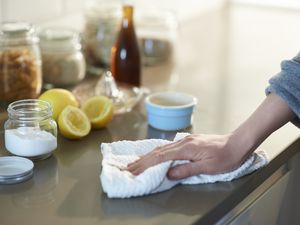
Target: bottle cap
[(15, 169)]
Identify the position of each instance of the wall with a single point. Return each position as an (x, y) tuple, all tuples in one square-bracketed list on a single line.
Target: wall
[(37, 11), (283, 4), (69, 12), (40, 11)]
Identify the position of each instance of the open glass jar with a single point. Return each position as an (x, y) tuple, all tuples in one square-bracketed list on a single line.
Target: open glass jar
[(20, 62), (30, 130), (63, 61)]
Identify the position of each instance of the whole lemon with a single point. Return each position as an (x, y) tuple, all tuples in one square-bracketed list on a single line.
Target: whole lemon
[(59, 98)]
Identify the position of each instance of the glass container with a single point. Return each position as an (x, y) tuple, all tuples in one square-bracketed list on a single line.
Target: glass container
[(102, 19), (30, 130), (158, 35), (157, 31), (20, 62), (63, 61)]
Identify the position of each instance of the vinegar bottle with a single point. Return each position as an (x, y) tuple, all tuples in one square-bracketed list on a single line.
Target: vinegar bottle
[(125, 55)]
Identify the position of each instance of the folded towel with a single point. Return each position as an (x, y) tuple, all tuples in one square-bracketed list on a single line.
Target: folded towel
[(119, 183)]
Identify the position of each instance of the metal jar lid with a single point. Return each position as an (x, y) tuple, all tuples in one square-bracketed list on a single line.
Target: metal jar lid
[(14, 169)]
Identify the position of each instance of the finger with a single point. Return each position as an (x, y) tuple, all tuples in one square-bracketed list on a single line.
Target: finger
[(146, 162), (189, 169), (167, 147), (157, 149), (171, 151), (153, 152), (153, 159)]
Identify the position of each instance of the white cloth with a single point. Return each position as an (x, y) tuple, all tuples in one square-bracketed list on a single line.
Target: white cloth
[(119, 183)]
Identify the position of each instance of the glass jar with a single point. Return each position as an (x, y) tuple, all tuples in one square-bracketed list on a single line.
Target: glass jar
[(30, 130), (63, 61), (102, 22), (158, 33), (20, 62)]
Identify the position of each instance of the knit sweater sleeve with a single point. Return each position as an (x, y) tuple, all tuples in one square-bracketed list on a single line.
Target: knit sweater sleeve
[(286, 84)]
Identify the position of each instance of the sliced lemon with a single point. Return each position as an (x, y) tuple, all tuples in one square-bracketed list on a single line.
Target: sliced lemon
[(99, 110), (73, 123)]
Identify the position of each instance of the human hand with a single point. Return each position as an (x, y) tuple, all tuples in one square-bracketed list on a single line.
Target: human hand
[(211, 154), (208, 154)]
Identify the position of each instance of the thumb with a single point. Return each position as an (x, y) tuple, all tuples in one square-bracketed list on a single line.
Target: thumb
[(186, 170)]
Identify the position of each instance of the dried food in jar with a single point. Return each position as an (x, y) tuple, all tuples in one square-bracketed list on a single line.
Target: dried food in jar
[(63, 61), (63, 69), (20, 74), (102, 20), (155, 51)]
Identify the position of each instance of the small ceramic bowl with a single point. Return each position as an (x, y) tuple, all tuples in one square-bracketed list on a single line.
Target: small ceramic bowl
[(170, 110)]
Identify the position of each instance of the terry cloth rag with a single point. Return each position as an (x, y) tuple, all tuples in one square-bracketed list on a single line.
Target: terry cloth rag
[(119, 183)]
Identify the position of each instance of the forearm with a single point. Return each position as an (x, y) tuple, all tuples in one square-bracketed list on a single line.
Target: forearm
[(267, 118)]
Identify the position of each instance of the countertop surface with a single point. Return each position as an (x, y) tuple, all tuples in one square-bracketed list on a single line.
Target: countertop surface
[(225, 59)]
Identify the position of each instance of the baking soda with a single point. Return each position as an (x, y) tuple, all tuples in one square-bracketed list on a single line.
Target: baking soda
[(29, 141)]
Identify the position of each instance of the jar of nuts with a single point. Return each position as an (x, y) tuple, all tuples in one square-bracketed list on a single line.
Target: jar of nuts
[(20, 62)]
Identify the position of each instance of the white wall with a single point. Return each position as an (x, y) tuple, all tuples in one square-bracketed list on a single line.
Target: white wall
[(285, 4), (68, 12), (37, 10)]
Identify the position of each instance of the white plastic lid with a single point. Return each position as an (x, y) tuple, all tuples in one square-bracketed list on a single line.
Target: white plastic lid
[(14, 169)]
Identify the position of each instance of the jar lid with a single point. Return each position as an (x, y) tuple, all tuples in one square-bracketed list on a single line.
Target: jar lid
[(16, 28), (15, 169), (16, 32), (59, 39)]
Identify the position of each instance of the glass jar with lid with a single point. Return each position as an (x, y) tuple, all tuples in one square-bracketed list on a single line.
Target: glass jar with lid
[(102, 23), (158, 33), (158, 36), (63, 61), (30, 130), (20, 62)]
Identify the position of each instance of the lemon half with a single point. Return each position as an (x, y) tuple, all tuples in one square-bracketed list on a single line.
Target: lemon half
[(99, 110), (73, 123)]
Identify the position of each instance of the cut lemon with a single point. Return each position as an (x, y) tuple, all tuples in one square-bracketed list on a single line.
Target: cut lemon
[(99, 110), (73, 123)]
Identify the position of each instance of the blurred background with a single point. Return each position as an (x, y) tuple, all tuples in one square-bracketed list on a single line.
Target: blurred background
[(40, 11)]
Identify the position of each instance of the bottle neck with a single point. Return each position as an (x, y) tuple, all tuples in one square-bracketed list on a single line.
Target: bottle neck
[(29, 110), (127, 16)]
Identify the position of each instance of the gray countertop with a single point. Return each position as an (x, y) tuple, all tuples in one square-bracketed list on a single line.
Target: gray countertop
[(66, 189), (226, 72)]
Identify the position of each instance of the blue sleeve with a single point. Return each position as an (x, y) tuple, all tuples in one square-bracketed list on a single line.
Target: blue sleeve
[(286, 84)]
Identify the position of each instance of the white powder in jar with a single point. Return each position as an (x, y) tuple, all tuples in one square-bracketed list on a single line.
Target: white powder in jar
[(29, 141)]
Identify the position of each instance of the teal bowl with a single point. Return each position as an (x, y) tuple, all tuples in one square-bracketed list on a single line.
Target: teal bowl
[(170, 111)]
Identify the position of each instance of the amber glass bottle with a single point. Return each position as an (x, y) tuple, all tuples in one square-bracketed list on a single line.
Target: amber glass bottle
[(125, 55)]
